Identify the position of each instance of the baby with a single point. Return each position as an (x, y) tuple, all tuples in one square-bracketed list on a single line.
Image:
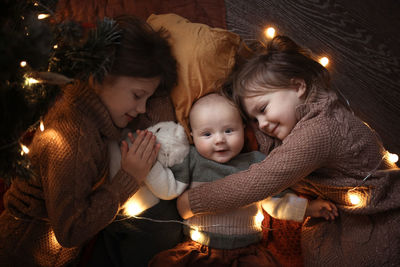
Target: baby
[(217, 129)]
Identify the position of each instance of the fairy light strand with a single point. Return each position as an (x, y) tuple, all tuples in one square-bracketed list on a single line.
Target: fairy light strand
[(128, 217), (352, 193)]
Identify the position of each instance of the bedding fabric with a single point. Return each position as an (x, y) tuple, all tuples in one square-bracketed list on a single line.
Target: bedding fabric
[(205, 57)]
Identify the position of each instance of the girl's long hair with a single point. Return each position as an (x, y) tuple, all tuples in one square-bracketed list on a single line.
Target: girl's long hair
[(274, 66)]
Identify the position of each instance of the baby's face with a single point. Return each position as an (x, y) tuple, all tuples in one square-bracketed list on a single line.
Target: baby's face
[(217, 130)]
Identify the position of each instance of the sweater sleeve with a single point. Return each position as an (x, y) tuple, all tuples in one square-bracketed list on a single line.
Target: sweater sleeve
[(302, 152), (77, 207), (266, 143), (162, 183)]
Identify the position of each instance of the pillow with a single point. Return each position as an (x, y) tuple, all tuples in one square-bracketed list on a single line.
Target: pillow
[(205, 57)]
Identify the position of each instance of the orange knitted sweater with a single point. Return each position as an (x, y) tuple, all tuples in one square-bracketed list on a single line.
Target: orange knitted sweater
[(49, 218)]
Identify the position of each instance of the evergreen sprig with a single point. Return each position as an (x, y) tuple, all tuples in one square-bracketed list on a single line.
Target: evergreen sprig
[(22, 38), (80, 55)]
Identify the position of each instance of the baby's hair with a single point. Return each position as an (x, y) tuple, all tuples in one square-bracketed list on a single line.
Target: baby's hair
[(274, 67), (227, 92), (144, 52), (220, 93)]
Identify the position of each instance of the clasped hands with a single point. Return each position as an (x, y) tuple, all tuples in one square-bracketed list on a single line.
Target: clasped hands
[(138, 159)]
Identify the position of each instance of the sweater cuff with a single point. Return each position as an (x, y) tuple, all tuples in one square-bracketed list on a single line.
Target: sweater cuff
[(195, 199), (287, 207), (297, 206), (123, 185)]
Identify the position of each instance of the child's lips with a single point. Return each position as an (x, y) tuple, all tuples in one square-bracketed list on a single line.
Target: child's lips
[(129, 117), (274, 130)]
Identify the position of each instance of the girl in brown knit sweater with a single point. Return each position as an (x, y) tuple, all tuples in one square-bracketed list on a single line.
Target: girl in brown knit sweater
[(233, 237), (317, 147), (50, 217)]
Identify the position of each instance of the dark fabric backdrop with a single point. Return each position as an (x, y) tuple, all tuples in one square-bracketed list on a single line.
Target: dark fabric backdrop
[(361, 39), (211, 12)]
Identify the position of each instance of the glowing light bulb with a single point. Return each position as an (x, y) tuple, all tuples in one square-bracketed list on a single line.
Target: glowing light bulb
[(354, 198), (29, 81), (195, 235), (132, 208), (41, 127), (393, 158), (24, 149), (23, 64), (324, 61), (270, 32), (55, 46), (258, 218), (43, 16)]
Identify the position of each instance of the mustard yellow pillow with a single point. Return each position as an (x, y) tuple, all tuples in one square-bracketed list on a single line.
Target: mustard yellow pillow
[(205, 56)]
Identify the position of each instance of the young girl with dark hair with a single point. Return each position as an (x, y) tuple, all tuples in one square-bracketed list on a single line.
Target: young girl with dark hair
[(50, 217)]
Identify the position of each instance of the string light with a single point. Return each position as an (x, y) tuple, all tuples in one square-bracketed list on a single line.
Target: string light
[(392, 158), (29, 81), (354, 198), (43, 16), (132, 208), (23, 64), (258, 218), (55, 46), (41, 126), (270, 32), (324, 61), (354, 195), (195, 235), (24, 149)]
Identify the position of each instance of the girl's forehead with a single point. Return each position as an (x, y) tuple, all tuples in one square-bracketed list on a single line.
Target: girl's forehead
[(250, 102)]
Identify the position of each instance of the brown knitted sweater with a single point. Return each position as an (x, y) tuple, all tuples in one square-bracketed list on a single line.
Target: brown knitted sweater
[(71, 196), (327, 153)]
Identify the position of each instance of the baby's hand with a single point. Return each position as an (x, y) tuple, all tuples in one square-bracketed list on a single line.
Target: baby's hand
[(321, 208), (138, 159)]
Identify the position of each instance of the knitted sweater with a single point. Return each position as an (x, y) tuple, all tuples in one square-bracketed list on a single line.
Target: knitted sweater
[(49, 218), (235, 228), (328, 152)]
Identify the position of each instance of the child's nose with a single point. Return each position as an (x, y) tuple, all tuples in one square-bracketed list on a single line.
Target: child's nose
[(262, 124), (141, 107), (220, 138)]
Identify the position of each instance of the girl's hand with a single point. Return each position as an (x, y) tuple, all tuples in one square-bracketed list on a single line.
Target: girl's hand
[(138, 159), (321, 208), (183, 206)]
